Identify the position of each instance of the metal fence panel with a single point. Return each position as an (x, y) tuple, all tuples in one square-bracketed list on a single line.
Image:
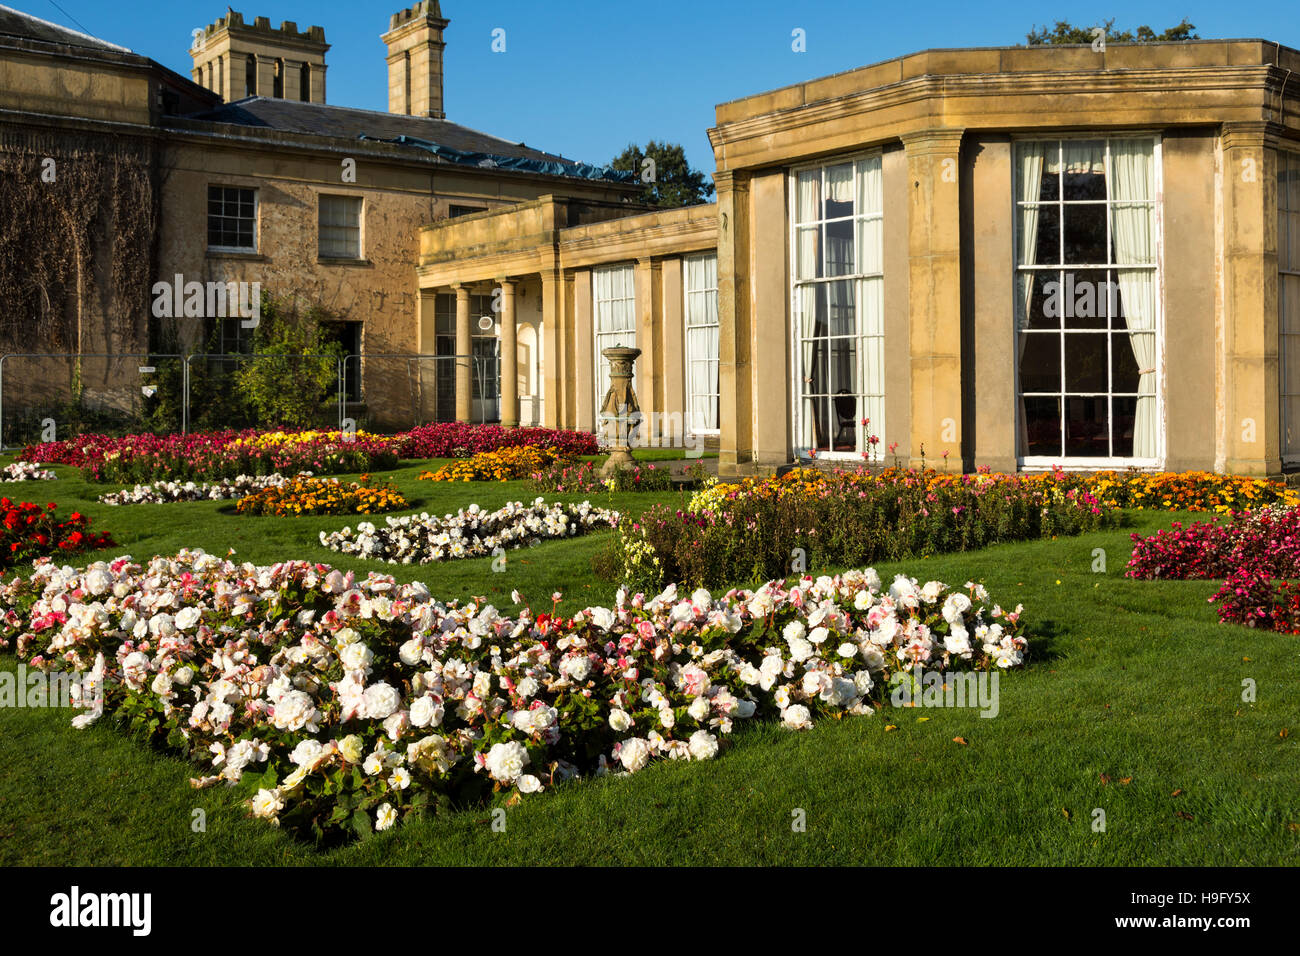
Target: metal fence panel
[(58, 395), (46, 396)]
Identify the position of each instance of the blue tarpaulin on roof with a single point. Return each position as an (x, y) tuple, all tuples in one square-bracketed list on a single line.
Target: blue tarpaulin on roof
[(493, 161)]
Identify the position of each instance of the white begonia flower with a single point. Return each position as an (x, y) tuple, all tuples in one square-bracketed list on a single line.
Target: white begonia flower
[(187, 617), (267, 803), (800, 650), (619, 720), (818, 634), (797, 717), (699, 708), (703, 745), (381, 700), (634, 754), (385, 817), (400, 779), (527, 783), (307, 752), (356, 656), (506, 761), (352, 748), (426, 712)]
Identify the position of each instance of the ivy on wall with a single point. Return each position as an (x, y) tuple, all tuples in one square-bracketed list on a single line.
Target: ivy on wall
[(78, 241)]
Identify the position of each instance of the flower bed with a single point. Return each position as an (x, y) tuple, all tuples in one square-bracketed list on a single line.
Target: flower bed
[(346, 705), (1264, 542), (29, 531), (470, 533), (1254, 552), (461, 439), (1187, 491), (161, 492), (584, 477), (212, 455), (227, 454), (1168, 491), (306, 495), (505, 464), (25, 471), (761, 528)]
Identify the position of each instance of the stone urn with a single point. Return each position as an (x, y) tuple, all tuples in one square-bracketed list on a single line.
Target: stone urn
[(620, 407)]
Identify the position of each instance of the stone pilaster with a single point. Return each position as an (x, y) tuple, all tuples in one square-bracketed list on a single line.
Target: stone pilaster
[(1250, 410), (464, 348), (509, 356), (934, 283), (735, 384)]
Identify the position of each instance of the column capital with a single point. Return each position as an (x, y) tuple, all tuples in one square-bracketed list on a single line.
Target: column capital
[(731, 179), (939, 139), (1254, 133), (506, 284)]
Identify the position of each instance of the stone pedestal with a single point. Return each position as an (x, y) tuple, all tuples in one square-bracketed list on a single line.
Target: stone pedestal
[(620, 406)]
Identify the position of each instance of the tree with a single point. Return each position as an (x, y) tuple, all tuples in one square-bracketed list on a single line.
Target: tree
[(1065, 32), (293, 369), (667, 180)]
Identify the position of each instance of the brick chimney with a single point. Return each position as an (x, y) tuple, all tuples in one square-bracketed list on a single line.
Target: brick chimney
[(415, 46)]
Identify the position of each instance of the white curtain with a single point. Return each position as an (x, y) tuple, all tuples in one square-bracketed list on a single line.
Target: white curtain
[(1031, 156), (806, 303), (613, 291), (871, 366), (702, 342), (1132, 191), (808, 210), (1077, 157)]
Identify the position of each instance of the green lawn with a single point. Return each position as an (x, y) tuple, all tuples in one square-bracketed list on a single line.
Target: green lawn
[(1132, 680)]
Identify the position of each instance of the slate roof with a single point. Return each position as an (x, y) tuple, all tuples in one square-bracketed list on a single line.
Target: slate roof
[(15, 23), (344, 122)]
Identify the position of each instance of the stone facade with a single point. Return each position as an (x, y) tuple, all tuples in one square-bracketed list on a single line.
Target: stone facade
[(235, 59), (875, 267)]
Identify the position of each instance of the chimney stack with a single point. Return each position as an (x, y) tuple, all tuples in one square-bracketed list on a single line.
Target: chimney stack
[(415, 46)]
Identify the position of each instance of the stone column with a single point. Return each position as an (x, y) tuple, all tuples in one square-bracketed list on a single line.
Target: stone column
[(1250, 407), (509, 356), (464, 348), (649, 296), (735, 387), (934, 281), (584, 356), (292, 79), (551, 368), (318, 82), (427, 344), (266, 76), (673, 328)]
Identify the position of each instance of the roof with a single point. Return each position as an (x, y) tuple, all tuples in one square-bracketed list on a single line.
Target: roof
[(343, 122), (15, 23)]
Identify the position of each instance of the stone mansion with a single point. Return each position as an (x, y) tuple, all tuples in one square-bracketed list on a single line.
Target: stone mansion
[(1011, 257)]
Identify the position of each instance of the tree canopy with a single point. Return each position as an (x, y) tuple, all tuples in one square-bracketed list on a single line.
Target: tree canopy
[(667, 180), (1065, 32)]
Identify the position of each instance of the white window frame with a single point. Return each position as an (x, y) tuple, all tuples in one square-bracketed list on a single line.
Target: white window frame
[(687, 328), (257, 219), (361, 224), (1288, 209), (878, 424), (1075, 462), (627, 337)]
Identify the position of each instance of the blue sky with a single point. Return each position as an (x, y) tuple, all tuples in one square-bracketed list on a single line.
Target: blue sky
[(586, 78)]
